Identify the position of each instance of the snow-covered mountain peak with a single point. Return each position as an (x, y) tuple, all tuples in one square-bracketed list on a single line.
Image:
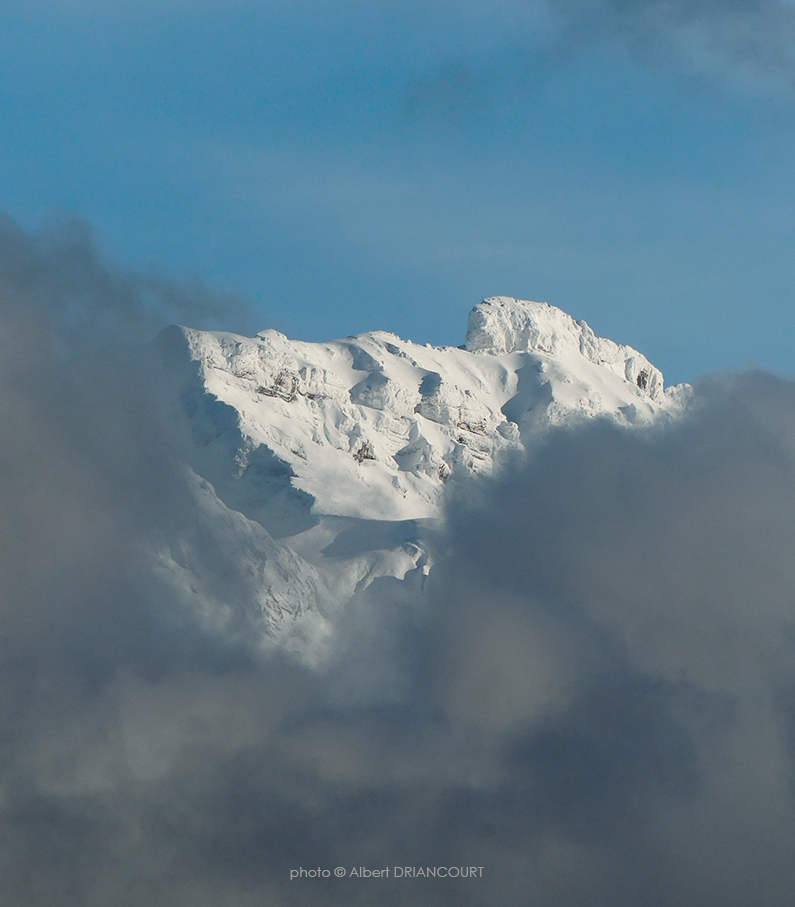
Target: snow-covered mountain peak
[(501, 324), (373, 425), (340, 449)]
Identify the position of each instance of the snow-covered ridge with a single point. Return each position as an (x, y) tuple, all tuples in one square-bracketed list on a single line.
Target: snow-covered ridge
[(340, 450), (373, 425)]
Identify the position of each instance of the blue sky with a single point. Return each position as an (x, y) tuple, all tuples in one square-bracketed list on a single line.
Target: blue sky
[(348, 165)]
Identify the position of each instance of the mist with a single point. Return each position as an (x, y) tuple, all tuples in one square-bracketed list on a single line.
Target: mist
[(592, 696)]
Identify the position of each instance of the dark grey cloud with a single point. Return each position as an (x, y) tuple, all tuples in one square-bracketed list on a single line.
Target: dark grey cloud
[(592, 696)]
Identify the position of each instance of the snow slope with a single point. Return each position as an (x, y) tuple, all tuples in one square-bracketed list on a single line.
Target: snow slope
[(342, 450)]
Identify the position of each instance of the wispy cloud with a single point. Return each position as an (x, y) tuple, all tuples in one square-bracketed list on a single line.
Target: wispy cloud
[(723, 38), (481, 65)]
